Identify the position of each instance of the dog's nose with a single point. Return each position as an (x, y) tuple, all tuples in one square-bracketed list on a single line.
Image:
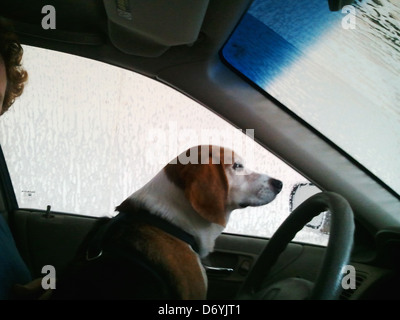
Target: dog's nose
[(276, 184)]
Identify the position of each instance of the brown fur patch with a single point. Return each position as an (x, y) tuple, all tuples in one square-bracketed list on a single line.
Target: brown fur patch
[(205, 184), (176, 260), (180, 260)]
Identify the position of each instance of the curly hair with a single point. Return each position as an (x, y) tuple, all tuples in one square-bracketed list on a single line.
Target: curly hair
[(11, 52)]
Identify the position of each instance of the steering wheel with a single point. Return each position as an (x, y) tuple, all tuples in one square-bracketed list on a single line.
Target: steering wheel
[(328, 283)]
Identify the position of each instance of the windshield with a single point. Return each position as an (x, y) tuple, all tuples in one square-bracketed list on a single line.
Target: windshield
[(339, 71)]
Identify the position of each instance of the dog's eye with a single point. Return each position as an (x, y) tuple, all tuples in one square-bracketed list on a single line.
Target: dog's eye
[(237, 165)]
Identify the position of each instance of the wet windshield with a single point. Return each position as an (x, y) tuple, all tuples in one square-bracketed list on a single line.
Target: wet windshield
[(339, 71)]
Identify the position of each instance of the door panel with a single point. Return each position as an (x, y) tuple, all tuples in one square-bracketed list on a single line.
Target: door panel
[(53, 240), (240, 253), (48, 240)]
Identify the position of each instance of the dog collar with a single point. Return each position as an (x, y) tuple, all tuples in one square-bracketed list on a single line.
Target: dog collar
[(145, 216), (95, 247)]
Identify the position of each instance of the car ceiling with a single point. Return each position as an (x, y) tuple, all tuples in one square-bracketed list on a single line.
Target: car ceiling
[(87, 16), (196, 70), (82, 28)]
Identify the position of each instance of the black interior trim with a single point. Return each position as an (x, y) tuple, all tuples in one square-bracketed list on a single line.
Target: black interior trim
[(6, 186), (58, 35)]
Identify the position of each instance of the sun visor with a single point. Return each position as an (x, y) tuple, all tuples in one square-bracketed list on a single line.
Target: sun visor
[(149, 27)]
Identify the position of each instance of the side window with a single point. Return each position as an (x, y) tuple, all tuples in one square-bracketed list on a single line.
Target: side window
[(85, 141)]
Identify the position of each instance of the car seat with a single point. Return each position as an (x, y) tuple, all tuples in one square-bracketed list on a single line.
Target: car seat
[(13, 269)]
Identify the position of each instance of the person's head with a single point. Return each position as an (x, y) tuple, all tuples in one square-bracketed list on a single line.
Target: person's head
[(12, 74)]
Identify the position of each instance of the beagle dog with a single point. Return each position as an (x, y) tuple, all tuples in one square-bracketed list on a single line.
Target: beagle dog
[(152, 248)]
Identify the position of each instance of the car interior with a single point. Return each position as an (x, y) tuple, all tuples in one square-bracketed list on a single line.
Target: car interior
[(180, 46)]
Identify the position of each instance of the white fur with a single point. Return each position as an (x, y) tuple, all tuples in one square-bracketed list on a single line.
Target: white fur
[(247, 187), (164, 198)]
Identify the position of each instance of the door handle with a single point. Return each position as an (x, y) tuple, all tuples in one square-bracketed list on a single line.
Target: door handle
[(217, 271)]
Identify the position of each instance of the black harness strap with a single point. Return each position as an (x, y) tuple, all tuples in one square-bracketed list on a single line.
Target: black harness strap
[(165, 225), (95, 247)]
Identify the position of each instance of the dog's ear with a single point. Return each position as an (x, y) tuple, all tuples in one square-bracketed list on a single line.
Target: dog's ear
[(207, 190), (200, 173)]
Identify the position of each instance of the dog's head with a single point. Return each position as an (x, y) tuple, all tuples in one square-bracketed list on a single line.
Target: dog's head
[(216, 181)]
